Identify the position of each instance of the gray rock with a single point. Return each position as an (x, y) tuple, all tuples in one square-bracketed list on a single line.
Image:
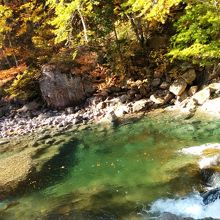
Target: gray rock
[(211, 106), (4, 109), (69, 110), (189, 76), (156, 82), (121, 110), (123, 98), (170, 216), (214, 87), (168, 97), (109, 119), (29, 107), (164, 85), (61, 90), (178, 87), (182, 97), (144, 90)]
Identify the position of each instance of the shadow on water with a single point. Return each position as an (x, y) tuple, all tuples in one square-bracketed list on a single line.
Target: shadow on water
[(102, 206), (54, 170), (112, 202)]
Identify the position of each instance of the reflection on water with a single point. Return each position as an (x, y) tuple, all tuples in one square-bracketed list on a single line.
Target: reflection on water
[(114, 174)]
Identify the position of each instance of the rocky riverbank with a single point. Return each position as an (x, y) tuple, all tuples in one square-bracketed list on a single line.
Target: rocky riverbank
[(101, 109), (93, 106)]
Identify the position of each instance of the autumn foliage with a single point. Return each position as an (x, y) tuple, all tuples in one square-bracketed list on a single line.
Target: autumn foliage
[(35, 32)]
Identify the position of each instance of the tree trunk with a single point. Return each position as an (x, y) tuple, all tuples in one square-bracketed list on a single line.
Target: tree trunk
[(10, 44), (84, 25), (138, 30), (6, 58)]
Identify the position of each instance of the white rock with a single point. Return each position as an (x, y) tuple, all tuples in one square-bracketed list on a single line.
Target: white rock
[(207, 162), (198, 150), (202, 96), (178, 87), (156, 100), (139, 105), (121, 110)]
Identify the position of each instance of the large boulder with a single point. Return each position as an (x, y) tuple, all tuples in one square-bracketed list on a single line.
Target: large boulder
[(61, 89)]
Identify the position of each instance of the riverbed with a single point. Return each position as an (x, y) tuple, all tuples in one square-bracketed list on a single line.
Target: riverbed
[(117, 173)]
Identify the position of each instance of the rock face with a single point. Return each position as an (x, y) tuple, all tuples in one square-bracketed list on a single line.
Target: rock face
[(60, 90)]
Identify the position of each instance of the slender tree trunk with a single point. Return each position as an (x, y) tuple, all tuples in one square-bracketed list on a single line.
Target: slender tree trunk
[(10, 44), (84, 25), (124, 65), (117, 43), (138, 30), (6, 58)]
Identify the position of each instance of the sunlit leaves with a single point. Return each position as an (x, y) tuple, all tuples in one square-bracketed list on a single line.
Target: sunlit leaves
[(5, 13), (152, 10), (198, 31)]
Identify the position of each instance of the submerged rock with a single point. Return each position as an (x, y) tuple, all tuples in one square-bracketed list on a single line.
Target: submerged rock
[(169, 216), (14, 171), (26, 166)]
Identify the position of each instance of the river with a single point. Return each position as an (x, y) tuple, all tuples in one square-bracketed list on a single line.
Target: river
[(118, 174)]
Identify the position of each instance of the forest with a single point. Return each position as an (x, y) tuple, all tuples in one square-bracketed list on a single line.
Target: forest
[(129, 35)]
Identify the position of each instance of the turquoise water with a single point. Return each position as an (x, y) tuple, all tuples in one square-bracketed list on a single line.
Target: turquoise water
[(115, 174)]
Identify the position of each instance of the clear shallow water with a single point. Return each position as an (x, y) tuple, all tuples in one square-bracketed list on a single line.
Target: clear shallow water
[(116, 174)]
